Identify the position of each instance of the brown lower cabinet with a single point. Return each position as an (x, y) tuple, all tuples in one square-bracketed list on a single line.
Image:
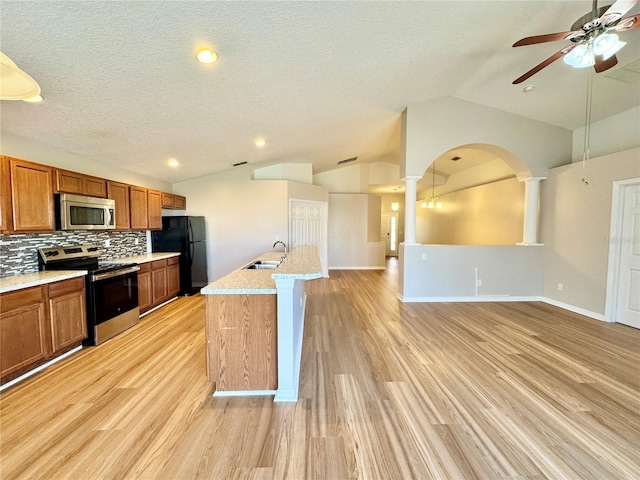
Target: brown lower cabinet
[(40, 323), (158, 281), (242, 342)]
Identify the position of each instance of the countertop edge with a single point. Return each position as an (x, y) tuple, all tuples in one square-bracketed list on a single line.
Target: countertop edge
[(36, 279), (145, 258)]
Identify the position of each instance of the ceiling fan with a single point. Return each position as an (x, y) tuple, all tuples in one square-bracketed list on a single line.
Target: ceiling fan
[(593, 41)]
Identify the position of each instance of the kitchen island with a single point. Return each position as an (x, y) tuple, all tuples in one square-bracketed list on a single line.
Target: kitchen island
[(255, 324)]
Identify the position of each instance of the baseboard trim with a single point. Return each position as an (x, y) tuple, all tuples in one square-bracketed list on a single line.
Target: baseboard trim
[(506, 298), (574, 309), (358, 268), (243, 393), (479, 298)]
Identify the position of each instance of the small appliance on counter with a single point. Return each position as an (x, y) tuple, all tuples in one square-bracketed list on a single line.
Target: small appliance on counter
[(111, 289), (186, 235)]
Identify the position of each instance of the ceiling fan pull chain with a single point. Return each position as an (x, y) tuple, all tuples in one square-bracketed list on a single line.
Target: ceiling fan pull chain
[(587, 126)]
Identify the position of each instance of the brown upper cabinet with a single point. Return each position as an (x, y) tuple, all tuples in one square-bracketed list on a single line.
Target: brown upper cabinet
[(139, 208), (173, 202), (78, 183), (31, 196), (154, 203), (120, 193), (5, 196)]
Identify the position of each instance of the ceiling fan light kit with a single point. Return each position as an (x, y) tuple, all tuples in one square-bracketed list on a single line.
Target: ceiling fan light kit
[(592, 43)]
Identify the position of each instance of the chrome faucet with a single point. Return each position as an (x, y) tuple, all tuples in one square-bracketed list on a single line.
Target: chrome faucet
[(284, 245)]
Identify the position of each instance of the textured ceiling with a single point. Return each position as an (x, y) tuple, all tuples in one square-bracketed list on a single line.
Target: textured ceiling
[(320, 81)]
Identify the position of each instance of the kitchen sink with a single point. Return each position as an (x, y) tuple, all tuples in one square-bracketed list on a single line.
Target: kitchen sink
[(263, 265)]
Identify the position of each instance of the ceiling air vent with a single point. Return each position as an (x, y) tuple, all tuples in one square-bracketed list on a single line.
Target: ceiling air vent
[(455, 159), (239, 163), (352, 159)]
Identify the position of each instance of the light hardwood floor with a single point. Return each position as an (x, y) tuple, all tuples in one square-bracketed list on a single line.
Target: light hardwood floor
[(388, 390)]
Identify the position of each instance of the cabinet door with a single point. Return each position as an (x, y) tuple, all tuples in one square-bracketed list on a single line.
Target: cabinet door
[(173, 277), (145, 298), (32, 194), (120, 193), (67, 313), (24, 336), (5, 196), (95, 187), (168, 200), (159, 282), (180, 203), (154, 199), (138, 205), (74, 182)]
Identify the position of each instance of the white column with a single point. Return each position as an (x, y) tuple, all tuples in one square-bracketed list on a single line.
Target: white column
[(531, 210), (410, 197)]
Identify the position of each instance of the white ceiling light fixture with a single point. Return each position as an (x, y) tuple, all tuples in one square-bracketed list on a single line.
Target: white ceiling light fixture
[(15, 84), (172, 162), (395, 205), (206, 56), (36, 99), (260, 142), (592, 42), (432, 201)]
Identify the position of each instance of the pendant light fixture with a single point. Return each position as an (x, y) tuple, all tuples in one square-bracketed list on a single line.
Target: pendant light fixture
[(395, 205), (432, 201)]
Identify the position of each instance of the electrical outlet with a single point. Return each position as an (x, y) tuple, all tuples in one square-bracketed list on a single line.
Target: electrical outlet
[(107, 243), (479, 282), (424, 256), (560, 287), (137, 241)]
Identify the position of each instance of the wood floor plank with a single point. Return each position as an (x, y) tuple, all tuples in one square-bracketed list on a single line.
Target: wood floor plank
[(519, 390)]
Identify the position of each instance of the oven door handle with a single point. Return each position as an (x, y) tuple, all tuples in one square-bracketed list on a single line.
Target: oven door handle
[(117, 273)]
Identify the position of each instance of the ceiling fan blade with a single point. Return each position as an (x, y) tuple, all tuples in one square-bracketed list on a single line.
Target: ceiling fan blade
[(616, 11), (628, 23), (602, 65), (547, 62), (549, 37)]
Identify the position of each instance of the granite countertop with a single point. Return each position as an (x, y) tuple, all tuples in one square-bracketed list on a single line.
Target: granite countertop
[(301, 263), (147, 257), (17, 282)]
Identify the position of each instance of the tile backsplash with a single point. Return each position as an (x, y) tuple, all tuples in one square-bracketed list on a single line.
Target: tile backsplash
[(19, 252)]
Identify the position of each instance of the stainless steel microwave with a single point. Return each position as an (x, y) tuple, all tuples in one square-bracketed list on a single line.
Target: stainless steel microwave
[(77, 212)]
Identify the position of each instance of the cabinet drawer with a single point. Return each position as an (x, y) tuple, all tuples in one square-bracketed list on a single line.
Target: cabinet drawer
[(158, 264), (21, 298), (144, 268), (63, 287), (173, 260)]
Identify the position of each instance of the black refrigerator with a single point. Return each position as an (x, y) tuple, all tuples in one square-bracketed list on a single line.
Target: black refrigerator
[(186, 235)]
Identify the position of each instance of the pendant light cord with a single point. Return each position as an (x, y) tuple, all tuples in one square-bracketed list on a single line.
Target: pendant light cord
[(587, 127)]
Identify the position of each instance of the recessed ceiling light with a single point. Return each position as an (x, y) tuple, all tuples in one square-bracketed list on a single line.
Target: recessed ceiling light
[(529, 88), (34, 99), (206, 55), (260, 142), (172, 162)]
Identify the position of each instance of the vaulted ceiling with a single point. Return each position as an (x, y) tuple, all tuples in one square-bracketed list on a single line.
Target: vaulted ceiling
[(320, 81)]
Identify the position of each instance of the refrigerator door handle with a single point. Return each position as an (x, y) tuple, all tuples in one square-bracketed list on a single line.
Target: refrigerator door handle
[(190, 233), (191, 249)]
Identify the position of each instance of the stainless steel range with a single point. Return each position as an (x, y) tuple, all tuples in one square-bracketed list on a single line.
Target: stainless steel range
[(111, 289)]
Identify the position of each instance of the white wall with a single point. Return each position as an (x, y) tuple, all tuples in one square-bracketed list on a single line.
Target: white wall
[(346, 179), (449, 272), (575, 223), (18, 147), (528, 146), (349, 232), (243, 216), (489, 214), (297, 172), (614, 134)]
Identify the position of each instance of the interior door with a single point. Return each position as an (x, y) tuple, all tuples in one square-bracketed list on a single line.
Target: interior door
[(628, 301), (308, 226)]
